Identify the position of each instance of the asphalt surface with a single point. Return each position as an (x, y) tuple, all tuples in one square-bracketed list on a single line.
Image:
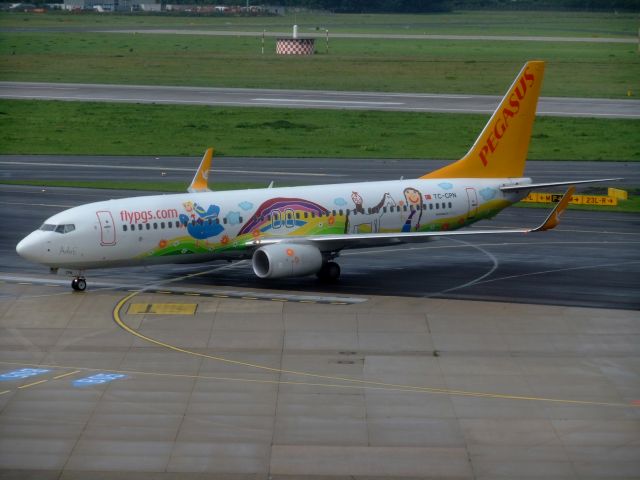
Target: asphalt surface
[(387, 36), (283, 171), (567, 107), (592, 259)]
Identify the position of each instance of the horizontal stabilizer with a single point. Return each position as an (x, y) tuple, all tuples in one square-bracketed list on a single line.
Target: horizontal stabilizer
[(531, 186)]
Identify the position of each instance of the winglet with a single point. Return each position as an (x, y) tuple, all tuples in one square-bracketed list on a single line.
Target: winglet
[(200, 182), (554, 217)]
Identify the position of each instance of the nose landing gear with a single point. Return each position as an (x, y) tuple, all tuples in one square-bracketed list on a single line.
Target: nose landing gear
[(79, 284)]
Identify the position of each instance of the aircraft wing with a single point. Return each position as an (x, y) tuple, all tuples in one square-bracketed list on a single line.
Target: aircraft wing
[(362, 240)]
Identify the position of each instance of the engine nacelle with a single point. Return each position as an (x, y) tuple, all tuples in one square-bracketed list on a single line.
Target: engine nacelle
[(286, 260)]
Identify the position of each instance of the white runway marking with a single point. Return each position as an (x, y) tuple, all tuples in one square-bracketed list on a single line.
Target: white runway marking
[(336, 102), (38, 204), (556, 270), (168, 169)]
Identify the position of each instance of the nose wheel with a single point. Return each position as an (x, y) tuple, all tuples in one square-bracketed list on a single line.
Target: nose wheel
[(79, 284)]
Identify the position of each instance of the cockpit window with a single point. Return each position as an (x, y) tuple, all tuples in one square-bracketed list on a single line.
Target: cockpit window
[(47, 227)]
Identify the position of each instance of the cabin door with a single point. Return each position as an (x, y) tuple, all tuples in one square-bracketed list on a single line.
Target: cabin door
[(472, 195), (107, 228)]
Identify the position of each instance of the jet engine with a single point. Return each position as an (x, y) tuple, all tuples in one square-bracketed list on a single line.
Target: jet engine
[(286, 260)]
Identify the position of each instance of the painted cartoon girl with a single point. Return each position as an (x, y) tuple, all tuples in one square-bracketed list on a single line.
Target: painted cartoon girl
[(414, 201)]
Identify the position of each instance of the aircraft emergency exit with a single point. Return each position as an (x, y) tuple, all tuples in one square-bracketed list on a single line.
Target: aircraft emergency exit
[(298, 231)]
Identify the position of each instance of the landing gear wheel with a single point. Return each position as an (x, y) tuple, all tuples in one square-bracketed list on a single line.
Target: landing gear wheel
[(330, 272), (79, 284)]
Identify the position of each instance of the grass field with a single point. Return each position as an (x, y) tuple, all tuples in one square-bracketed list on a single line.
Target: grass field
[(480, 67), (41, 127), (561, 24)]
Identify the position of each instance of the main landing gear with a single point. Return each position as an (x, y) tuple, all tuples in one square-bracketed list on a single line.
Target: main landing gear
[(79, 284), (329, 272)]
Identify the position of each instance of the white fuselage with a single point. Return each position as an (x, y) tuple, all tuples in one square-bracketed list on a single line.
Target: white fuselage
[(206, 226)]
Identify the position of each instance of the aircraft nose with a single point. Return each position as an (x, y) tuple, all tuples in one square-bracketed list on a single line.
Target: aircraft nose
[(28, 248)]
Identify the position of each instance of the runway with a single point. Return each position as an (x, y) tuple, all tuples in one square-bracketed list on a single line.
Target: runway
[(283, 171), (407, 102)]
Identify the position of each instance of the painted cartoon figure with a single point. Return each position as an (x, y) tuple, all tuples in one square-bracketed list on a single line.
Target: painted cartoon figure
[(357, 201), (413, 200), (373, 222), (206, 225)]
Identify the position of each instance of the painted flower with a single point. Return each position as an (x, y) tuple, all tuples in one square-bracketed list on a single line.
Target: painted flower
[(162, 243), (245, 205), (332, 220), (255, 233), (224, 240)]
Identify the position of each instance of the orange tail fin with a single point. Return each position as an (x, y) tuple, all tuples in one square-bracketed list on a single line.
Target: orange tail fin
[(501, 149)]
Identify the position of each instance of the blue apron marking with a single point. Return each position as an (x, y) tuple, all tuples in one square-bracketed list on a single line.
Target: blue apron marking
[(22, 374), (98, 379)]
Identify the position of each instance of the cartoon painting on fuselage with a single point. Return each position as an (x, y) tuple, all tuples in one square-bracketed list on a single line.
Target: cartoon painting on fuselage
[(297, 231)]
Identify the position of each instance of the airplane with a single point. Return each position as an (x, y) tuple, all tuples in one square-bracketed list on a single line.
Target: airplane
[(300, 231)]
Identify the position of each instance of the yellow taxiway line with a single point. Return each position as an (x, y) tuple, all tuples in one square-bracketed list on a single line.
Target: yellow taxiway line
[(353, 382)]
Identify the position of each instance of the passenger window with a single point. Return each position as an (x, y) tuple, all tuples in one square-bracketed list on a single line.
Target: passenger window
[(148, 226), (124, 228), (155, 226), (224, 220), (133, 227), (444, 205), (139, 226), (306, 214), (431, 206), (437, 206), (449, 204), (340, 212), (161, 224), (404, 208), (298, 215), (169, 224), (240, 219)]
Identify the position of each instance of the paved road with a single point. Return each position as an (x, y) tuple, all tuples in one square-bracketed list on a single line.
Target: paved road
[(592, 259), (569, 107), (284, 171), (386, 36), (322, 34)]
